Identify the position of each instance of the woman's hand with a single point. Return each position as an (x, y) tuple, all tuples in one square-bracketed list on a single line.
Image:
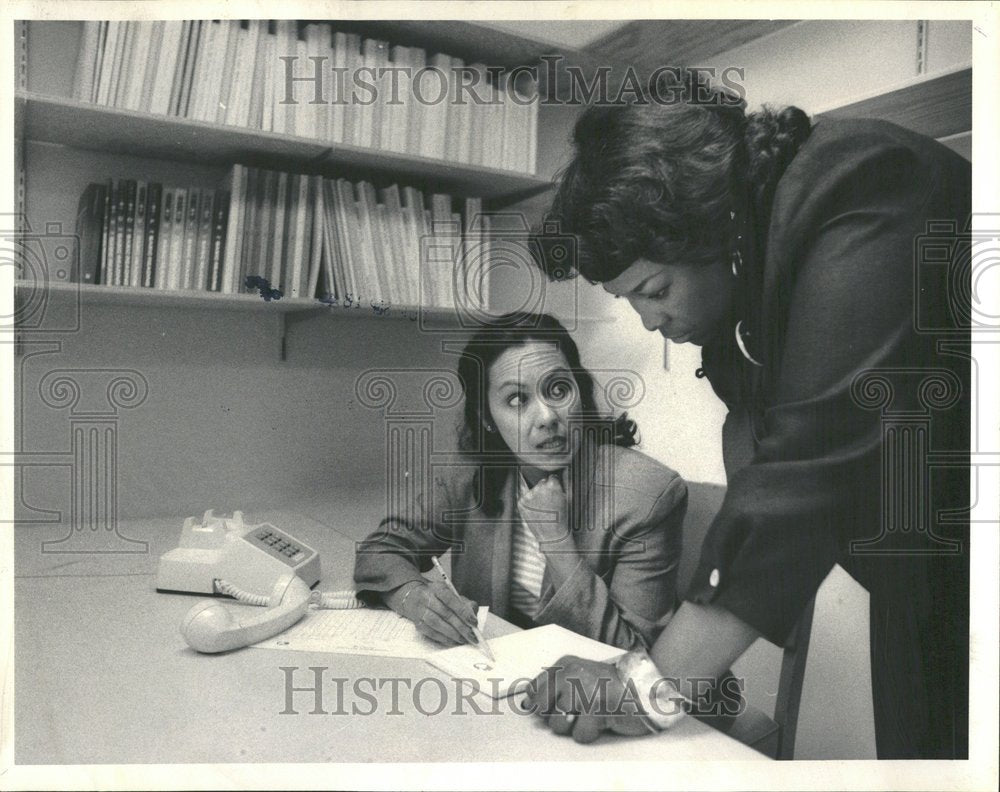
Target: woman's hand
[(584, 698), (436, 611), (543, 509)]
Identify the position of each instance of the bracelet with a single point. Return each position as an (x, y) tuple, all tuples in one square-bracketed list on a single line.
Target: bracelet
[(662, 703), (409, 591)]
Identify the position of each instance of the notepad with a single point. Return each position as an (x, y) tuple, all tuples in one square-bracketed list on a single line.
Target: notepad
[(520, 658), (364, 631)]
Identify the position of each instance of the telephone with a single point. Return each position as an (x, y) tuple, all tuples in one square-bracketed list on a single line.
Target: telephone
[(255, 564)]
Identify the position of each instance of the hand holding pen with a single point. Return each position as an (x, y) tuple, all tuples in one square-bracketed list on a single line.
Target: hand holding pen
[(438, 611), (479, 641)]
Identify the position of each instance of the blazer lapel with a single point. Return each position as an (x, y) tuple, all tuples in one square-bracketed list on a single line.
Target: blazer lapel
[(502, 543)]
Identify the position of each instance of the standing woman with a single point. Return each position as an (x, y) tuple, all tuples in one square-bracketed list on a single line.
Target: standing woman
[(786, 251)]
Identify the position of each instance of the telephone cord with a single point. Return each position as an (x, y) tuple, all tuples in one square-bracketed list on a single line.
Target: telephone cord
[(324, 600)]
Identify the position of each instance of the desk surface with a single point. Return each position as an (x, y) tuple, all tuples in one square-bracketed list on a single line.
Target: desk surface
[(103, 676)]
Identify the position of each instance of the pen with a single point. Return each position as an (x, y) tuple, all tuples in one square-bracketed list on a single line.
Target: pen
[(481, 642)]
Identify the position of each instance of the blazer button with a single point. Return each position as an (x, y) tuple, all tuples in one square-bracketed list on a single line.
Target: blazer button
[(713, 579)]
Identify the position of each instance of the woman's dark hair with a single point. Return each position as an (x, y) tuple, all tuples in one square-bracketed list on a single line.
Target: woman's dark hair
[(492, 455), (657, 180)]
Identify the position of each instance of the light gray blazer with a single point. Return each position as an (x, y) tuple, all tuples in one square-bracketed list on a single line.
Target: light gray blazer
[(627, 530)]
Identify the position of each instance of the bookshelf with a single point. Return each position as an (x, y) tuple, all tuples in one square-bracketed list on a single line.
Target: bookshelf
[(64, 144), (938, 105)]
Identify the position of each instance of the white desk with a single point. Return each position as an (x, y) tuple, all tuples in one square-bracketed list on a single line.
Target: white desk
[(103, 676)]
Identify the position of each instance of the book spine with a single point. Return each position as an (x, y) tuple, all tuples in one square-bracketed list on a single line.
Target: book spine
[(152, 63), (107, 62), (86, 64), (119, 261), (89, 221), (219, 217), (106, 234), (219, 112), (176, 249), (153, 201), (189, 249), (316, 245), (116, 93), (138, 235), (237, 182), (159, 101), (137, 65), (166, 235)]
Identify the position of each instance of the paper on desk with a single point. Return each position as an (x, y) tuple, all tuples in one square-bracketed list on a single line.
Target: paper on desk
[(364, 631), (521, 657)]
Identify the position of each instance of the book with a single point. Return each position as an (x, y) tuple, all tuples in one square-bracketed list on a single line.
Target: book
[(401, 252), (192, 218), (89, 228), (266, 224), (241, 61), (255, 100), (477, 118), (234, 228), (280, 224), (159, 101), (338, 87), (138, 59), (176, 260), (107, 63), (165, 236), (198, 51), (361, 287), (150, 68), (332, 264), (286, 34), (154, 196), (298, 240), (119, 250), (220, 212), (460, 120), (86, 64), (128, 220), (138, 253), (352, 114), (119, 70), (227, 85), (106, 236), (316, 242), (188, 33), (270, 78)]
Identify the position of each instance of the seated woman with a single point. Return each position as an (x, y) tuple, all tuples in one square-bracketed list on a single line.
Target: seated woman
[(553, 520)]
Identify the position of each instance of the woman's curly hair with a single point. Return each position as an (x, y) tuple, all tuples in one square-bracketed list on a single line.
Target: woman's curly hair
[(657, 180)]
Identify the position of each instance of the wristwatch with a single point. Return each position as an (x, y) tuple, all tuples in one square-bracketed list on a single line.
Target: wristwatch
[(661, 702)]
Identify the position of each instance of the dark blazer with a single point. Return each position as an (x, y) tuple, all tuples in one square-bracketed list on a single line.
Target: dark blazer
[(864, 346), (627, 532)]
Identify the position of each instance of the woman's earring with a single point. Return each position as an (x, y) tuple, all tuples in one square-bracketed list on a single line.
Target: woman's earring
[(737, 257), (490, 428)]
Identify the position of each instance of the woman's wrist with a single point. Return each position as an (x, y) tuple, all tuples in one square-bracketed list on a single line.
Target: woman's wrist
[(661, 703), (397, 598)]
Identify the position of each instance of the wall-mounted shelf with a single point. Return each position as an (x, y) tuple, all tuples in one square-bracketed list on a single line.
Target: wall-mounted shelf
[(129, 296), (88, 126), (936, 105)]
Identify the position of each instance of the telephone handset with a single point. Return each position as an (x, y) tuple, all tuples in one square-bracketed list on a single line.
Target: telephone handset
[(255, 564)]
